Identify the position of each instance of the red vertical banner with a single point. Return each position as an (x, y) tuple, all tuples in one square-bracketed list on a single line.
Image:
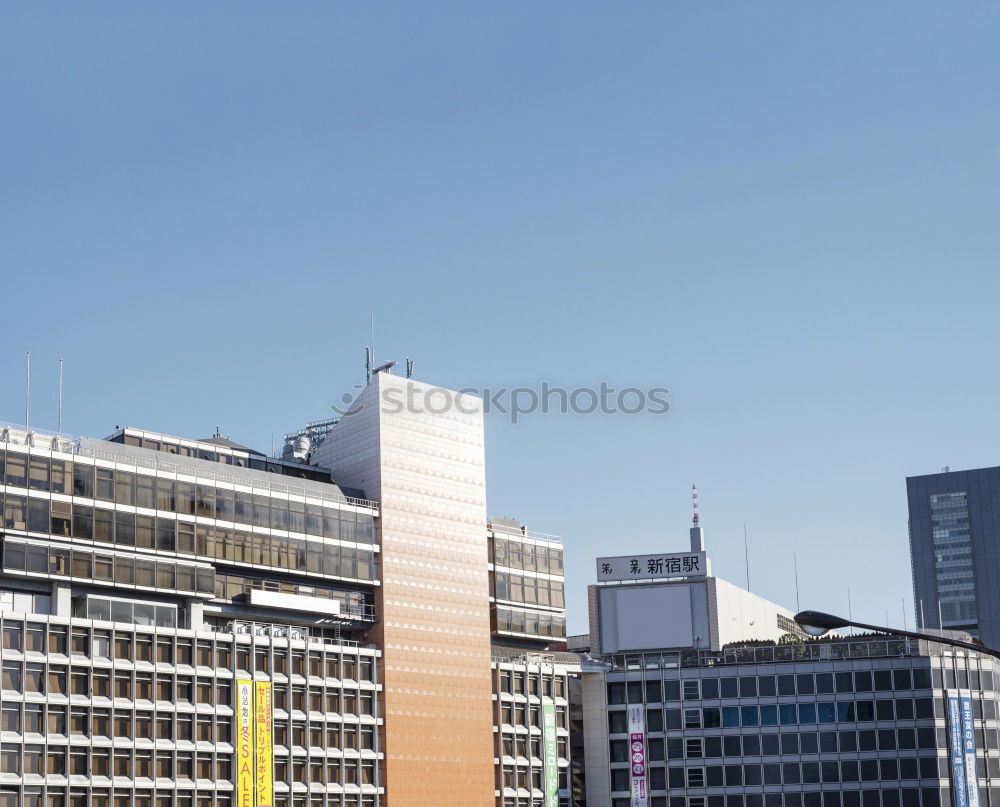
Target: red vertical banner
[(637, 754)]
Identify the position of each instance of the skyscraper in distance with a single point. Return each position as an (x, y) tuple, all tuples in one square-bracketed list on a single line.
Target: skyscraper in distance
[(954, 525)]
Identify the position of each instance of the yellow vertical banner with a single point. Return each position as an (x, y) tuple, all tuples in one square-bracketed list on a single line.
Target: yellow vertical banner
[(264, 768), (244, 744)]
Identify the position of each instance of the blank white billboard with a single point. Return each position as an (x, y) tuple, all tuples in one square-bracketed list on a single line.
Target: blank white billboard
[(646, 617)]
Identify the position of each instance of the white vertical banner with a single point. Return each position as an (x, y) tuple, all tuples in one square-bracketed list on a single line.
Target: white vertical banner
[(959, 781), (637, 754), (969, 748)]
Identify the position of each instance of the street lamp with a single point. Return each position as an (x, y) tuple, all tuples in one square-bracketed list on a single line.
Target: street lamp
[(816, 623)]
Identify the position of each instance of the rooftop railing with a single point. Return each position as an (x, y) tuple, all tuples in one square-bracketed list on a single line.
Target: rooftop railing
[(524, 533), (770, 654)]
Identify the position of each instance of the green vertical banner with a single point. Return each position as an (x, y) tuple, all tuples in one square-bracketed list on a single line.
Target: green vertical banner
[(551, 755)]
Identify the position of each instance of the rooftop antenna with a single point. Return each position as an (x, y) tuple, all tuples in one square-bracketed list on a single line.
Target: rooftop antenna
[(850, 611), (409, 368), (746, 554), (697, 533), (218, 432), (795, 560), (903, 601), (368, 364), (27, 391), (59, 421)]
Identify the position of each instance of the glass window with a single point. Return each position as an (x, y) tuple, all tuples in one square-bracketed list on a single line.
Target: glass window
[(83, 522), (145, 491), (124, 487), (103, 525), (105, 485), (38, 515), (164, 494), (15, 514), (82, 564), (61, 518), (125, 528), (17, 470)]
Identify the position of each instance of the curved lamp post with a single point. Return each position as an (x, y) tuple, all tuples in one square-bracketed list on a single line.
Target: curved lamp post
[(816, 623)]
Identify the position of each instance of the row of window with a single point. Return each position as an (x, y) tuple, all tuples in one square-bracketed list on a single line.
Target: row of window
[(352, 603), (524, 682), (54, 721), (870, 797), (19, 678), (129, 612), (752, 686), (529, 778), (789, 773), (531, 558), (187, 498), (659, 749), (530, 746), (531, 590), (255, 461), (166, 648), (530, 622), (529, 714), (168, 797), (127, 763), (784, 714), (130, 530), (121, 570)]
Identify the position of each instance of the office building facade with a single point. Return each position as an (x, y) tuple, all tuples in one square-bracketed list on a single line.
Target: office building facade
[(150, 583), (867, 722), (193, 623), (532, 671), (955, 551)]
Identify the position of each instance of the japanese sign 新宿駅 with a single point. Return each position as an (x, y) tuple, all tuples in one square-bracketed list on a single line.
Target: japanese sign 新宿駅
[(650, 567)]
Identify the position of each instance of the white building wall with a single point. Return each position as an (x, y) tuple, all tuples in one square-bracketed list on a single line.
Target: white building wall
[(744, 616), (597, 757)]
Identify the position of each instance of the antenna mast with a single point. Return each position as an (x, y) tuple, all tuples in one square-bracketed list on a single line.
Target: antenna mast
[(795, 560), (27, 391), (59, 426), (696, 532), (746, 554)]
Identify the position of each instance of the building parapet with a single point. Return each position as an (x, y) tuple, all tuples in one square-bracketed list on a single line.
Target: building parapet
[(823, 650), (503, 529), (517, 655)]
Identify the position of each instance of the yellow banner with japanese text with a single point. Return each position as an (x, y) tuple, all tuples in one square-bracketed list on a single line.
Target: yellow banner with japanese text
[(264, 766), (244, 744)]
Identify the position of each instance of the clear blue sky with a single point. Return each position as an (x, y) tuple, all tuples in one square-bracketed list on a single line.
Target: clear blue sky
[(784, 212)]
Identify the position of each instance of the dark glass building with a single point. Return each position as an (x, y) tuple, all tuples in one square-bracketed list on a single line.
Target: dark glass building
[(954, 525)]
